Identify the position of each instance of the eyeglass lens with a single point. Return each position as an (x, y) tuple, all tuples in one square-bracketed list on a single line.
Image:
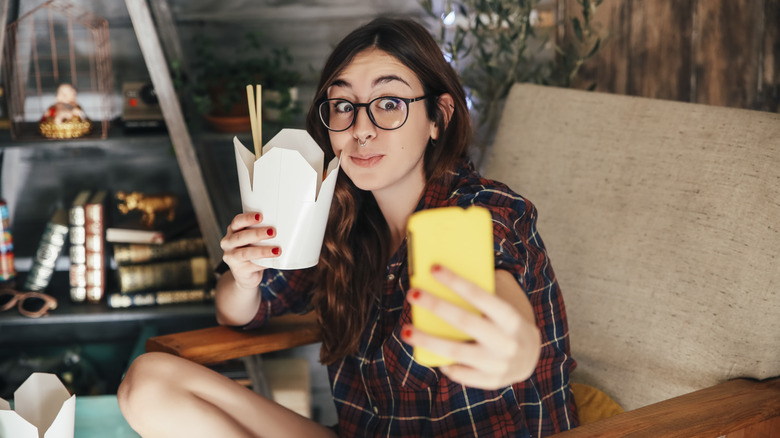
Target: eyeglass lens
[(33, 304), (5, 299), (384, 112)]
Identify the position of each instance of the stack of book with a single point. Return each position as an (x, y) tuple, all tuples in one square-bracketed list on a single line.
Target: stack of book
[(169, 265), (87, 252), (49, 248), (171, 272)]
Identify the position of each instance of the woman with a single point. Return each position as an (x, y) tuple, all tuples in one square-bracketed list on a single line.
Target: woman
[(391, 107)]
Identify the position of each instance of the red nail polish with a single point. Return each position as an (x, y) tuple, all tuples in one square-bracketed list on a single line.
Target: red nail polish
[(270, 231), (275, 251), (415, 294), (436, 268), (406, 333), (257, 217)]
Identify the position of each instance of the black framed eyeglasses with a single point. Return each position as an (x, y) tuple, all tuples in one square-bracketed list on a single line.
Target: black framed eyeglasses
[(385, 112), (30, 304)]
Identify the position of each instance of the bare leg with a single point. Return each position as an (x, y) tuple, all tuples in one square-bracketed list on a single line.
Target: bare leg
[(167, 396)]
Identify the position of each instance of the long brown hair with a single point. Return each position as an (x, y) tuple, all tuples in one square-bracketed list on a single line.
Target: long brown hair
[(356, 248)]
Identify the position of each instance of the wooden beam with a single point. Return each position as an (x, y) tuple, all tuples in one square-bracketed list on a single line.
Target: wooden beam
[(146, 33), (3, 21), (609, 68), (727, 50), (722, 409), (216, 344), (169, 37), (769, 86), (659, 50)]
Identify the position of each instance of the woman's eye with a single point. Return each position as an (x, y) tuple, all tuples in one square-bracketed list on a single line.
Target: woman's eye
[(342, 107), (388, 104)]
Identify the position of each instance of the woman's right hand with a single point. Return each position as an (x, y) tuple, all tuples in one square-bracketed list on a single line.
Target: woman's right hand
[(239, 251)]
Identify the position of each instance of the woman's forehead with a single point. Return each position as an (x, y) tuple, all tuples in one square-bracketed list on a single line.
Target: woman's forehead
[(374, 68)]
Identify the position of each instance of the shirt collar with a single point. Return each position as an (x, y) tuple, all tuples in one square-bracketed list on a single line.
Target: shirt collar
[(437, 192)]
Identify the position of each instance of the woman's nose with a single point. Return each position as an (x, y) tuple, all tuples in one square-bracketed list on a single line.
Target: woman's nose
[(364, 127)]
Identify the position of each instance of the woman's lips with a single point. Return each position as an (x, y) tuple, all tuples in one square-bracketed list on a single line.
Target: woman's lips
[(366, 161)]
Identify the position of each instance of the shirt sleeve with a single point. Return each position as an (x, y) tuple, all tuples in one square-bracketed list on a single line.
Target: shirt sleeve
[(283, 292), (519, 250), (518, 247), (516, 243)]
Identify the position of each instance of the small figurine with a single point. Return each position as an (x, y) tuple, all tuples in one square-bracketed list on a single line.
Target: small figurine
[(148, 204), (65, 119)]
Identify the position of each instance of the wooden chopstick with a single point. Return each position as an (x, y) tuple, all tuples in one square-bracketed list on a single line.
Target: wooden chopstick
[(255, 118)]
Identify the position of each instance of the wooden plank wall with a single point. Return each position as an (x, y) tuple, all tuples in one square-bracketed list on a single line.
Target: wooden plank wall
[(718, 52)]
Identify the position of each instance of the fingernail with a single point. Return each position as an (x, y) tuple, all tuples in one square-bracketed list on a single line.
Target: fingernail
[(257, 217), (406, 333), (435, 268), (275, 251), (270, 231), (415, 294)]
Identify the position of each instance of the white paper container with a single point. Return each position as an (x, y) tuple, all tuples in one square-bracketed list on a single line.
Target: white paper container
[(286, 186), (43, 409)]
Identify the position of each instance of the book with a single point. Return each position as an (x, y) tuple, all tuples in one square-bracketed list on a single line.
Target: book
[(52, 241), (185, 273), (132, 253), (95, 246), (156, 218), (159, 298), (129, 232), (78, 251), (131, 235)]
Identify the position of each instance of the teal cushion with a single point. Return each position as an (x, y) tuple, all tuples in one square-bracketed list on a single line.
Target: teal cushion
[(99, 416)]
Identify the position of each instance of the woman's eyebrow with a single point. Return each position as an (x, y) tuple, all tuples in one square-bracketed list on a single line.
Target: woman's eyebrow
[(389, 78), (378, 81), (341, 83)]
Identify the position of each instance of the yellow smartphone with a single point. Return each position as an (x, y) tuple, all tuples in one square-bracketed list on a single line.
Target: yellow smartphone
[(460, 240)]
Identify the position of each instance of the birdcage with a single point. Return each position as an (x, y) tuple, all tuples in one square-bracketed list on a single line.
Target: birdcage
[(57, 43)]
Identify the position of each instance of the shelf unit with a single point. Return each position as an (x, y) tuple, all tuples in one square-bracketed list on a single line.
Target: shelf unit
[(114, 163), (170, 157)]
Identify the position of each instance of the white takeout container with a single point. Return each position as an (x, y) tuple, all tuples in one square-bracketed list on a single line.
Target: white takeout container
[(43, 408), (286, 185)]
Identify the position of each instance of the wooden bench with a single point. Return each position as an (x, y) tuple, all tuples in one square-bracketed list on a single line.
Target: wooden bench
[(662, 221)]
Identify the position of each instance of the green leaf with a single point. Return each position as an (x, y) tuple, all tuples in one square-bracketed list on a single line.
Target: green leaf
[(594, 49), (577, 28)]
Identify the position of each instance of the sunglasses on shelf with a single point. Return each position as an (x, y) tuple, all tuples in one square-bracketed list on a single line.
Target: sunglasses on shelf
[(30, 304)]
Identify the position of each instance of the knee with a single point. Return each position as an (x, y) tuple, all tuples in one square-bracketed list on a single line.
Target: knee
[(146, 382)]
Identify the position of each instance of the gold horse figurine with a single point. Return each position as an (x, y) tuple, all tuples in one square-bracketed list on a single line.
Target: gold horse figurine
[(149, 205)]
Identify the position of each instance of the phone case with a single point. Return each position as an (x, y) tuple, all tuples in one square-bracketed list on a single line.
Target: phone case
[(461, 240)]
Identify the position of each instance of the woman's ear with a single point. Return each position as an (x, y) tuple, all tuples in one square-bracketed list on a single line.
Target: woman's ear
[(447, 107)]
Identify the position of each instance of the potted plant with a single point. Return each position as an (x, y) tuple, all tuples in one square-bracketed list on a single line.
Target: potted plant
[(495, 43), (220, 79), (280, 91)]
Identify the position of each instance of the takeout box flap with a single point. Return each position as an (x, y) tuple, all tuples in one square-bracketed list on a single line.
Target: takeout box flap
[(286, 185), (292, 150), (43, 408), (64, 424)]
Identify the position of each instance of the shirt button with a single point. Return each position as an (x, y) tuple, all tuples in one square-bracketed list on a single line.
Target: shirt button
[(376, 410), (391, 277)]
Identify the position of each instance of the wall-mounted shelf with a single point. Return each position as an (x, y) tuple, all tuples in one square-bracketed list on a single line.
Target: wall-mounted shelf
[(43, 173)]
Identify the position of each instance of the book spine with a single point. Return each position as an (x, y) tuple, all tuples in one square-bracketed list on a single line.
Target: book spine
[(94, 252), (164, 275), (123, 235), (7, 269), (50, 247), (179, 296), (78, 254), (126, 254)]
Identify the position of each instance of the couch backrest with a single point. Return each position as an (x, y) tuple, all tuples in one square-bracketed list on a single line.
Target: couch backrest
[(662, 222)]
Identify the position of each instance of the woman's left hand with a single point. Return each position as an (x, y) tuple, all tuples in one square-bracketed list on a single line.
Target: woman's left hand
[(506, 344)]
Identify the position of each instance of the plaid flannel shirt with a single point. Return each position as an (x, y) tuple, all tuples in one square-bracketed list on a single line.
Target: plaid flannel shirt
[(382, 391)]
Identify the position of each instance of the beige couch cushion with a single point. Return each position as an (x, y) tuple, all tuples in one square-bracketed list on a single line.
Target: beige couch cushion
[(662, 221)]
